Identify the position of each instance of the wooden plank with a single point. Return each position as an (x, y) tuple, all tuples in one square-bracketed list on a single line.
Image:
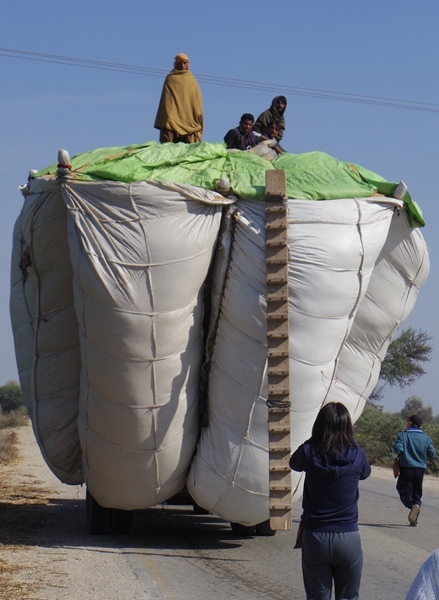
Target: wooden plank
[(275, 183), (280, 251), (276, 233)]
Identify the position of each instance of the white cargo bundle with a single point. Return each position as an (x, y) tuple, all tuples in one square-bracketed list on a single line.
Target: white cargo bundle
[(46, 329), (133, 273), (110, 281), (355, 268)]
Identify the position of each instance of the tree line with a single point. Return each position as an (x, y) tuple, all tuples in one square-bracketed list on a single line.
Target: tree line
[(376, 429)]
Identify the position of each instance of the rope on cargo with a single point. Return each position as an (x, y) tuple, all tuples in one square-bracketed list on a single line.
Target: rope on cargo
[(210, 343)]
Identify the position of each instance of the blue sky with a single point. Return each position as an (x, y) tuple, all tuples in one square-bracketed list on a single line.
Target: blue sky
[(377, 49)]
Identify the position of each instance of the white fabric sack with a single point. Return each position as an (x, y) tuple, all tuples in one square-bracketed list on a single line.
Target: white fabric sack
[(45, 328), (333, 248), (401, 270), (139, 254)]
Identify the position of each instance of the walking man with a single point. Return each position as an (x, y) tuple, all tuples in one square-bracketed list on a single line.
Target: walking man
[(180, 113), (412, 446)]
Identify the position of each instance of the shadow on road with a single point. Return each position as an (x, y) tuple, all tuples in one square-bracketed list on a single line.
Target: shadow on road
[(385, 525), (62, 523)]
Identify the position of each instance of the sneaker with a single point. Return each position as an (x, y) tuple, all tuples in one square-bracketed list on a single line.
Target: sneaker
[(413, 514)]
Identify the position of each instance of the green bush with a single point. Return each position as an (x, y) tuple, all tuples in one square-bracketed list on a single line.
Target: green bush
[(376, 431), (11, 397), (432, 429), (14, 418)]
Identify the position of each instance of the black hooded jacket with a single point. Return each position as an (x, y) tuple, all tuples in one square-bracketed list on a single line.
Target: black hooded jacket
[(272, 114), (330, 496)]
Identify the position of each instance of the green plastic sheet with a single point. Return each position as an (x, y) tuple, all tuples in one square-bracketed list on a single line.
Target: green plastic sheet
[(310, 176)]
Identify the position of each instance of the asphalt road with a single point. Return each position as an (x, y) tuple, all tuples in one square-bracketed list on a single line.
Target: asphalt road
[(175, 554), (393, 551), (197, 557)]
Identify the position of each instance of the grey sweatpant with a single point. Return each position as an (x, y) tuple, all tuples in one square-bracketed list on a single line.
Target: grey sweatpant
[(332, 557)]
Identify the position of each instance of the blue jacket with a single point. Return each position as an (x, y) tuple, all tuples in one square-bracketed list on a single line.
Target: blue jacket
[(330, 495), (413, 446)]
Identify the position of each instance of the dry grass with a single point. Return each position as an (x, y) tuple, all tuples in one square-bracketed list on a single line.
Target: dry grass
[(8, 447), (8, 434), (21, 518), (15, 584), (15, 418)]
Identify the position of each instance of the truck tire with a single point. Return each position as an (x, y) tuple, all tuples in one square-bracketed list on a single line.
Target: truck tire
[(98, 517), (199, 510), (242, 530), (122, 521), (264, 529)]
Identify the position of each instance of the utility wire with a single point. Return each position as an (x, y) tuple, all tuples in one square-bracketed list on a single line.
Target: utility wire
[(223, 81)]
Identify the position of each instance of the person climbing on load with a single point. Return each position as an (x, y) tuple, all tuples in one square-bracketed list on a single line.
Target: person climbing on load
[(243, 137), (276, 112), (180, 112)]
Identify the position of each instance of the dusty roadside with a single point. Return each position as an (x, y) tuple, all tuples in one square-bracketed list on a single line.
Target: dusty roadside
[(431, 483), (46, 553)]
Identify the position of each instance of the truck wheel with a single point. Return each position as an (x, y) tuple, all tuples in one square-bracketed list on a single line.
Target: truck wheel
[(122, 521), (242, 530), (264, 529), (98, 517), (199, 510)]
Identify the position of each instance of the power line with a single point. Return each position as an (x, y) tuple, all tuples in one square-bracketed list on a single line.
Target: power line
[(223, 81)]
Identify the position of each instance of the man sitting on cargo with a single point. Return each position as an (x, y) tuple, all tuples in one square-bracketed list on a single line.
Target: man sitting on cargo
[(271, 132), (243, 137), (180, 113), (276, 112)]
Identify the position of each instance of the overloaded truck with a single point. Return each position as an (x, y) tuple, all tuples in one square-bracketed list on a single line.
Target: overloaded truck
[(182, 312)]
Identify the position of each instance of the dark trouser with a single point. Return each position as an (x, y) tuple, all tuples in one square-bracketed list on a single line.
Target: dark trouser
[(166, 135), (409, 485), (332, 557)]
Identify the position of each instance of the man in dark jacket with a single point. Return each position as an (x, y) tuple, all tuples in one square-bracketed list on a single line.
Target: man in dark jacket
[(276, 112), (243, 137), (412, 446)]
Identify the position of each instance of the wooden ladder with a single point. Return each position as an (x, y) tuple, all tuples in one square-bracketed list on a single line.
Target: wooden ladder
[(278, 401)]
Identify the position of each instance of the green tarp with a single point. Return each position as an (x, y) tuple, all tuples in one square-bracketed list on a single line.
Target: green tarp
[(310, 176)]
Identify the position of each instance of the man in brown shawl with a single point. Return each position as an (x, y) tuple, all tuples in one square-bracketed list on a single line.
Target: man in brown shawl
[(180, 113)]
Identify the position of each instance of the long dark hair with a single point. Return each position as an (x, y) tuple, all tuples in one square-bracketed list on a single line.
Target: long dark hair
[(332, 430)]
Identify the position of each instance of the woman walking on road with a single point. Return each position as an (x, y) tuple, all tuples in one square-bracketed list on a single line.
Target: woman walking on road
[(334, 464)]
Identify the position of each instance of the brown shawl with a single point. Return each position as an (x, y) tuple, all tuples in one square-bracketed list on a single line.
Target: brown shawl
[(181, 104)]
